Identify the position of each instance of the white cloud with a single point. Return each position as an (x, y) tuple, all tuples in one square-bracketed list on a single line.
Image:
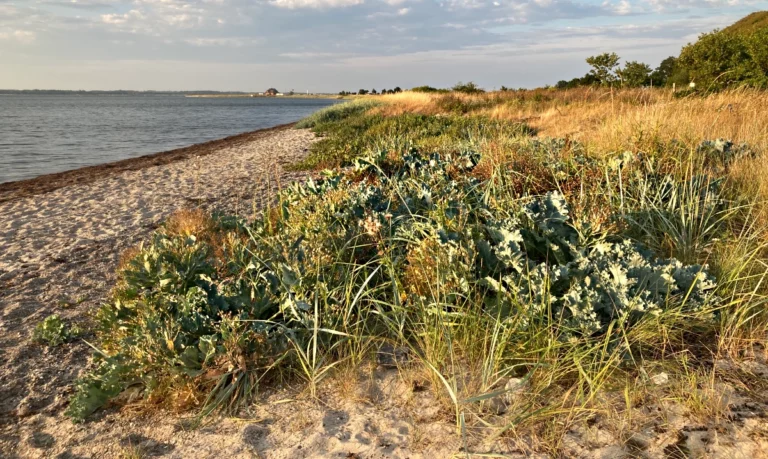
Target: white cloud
[(672, 5), (313, 55), (621, 8), (385, 14), (315, 4), (120, 19), (235, 42), (20, 36)]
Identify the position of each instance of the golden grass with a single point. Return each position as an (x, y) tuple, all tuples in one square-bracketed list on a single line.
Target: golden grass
[(189, 222), (606, 120)]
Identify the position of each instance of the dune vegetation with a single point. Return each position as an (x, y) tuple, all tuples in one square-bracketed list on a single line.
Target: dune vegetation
[(572, 245)]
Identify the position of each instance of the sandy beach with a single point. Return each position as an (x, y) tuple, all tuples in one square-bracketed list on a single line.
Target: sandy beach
[(62, 236)]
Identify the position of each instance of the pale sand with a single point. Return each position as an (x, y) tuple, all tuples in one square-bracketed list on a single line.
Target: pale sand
[(58, 252)]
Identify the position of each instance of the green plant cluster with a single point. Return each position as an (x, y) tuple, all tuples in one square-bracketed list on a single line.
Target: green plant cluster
[(53, 331), (337, 113), (350, 133), (584, 281), (364, 249), (722, 59)]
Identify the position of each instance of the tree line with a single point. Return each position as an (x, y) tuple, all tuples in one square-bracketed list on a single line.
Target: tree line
[(363, 92), (606, 71), (717, 60)]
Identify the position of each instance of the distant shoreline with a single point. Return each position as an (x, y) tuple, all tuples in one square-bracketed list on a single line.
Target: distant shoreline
[(261, 96), (58, 92)]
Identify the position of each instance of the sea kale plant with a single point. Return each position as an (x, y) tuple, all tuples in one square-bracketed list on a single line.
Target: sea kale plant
[(202, 316)]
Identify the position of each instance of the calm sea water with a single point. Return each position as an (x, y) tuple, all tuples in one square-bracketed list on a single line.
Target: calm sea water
[(41, 134)]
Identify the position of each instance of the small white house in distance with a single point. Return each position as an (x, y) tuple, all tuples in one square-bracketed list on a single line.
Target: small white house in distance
[(279, 94)]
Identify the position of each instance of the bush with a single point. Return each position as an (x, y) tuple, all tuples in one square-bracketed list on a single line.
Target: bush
[(719, 60), (337, 112), (467, 88), (345, 139), (427, 89), (53, 331)]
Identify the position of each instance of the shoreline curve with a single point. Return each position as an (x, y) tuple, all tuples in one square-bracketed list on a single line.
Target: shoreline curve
[(10, 191)]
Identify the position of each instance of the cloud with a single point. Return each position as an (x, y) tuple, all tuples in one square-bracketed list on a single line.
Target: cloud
[(236, 42), (315, 4), (120, 19), (19, 36), (475, 38), (82, 4), (384, 14), (672, 5)]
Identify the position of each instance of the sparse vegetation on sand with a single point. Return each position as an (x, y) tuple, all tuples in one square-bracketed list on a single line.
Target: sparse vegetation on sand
[(593, 250)]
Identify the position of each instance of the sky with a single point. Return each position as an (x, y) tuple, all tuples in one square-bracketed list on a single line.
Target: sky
[(334, 45)]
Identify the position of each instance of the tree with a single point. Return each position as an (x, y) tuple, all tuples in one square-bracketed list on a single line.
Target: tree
[(467, 88), (717, 60), (362, 92), (634, 74), (424, 89), (397, 89), (664, 71), (758, 52), (373, 91), (604, 67)]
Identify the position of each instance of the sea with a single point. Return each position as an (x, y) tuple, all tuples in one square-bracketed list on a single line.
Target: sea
[(42, 134)]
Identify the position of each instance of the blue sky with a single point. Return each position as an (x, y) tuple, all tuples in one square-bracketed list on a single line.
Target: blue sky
[(330, 45)]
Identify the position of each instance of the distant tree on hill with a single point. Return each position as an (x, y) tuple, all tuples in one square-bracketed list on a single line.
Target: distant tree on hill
[(634, 74), (397, 89), (757, 47), (664, 71), (467, 88), (718, 60), (604, 67), (424, 89)]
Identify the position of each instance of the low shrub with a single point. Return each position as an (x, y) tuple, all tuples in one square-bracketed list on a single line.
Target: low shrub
[(53, 331), (337, 112), (357, 135), (467, 88)]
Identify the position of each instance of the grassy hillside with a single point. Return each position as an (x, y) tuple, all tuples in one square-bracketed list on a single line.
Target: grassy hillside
[(749, 24)]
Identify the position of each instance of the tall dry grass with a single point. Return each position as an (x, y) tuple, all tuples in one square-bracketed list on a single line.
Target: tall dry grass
[(606, 120)]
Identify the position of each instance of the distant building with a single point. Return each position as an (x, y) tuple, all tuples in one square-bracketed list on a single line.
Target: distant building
[(271, 92)]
